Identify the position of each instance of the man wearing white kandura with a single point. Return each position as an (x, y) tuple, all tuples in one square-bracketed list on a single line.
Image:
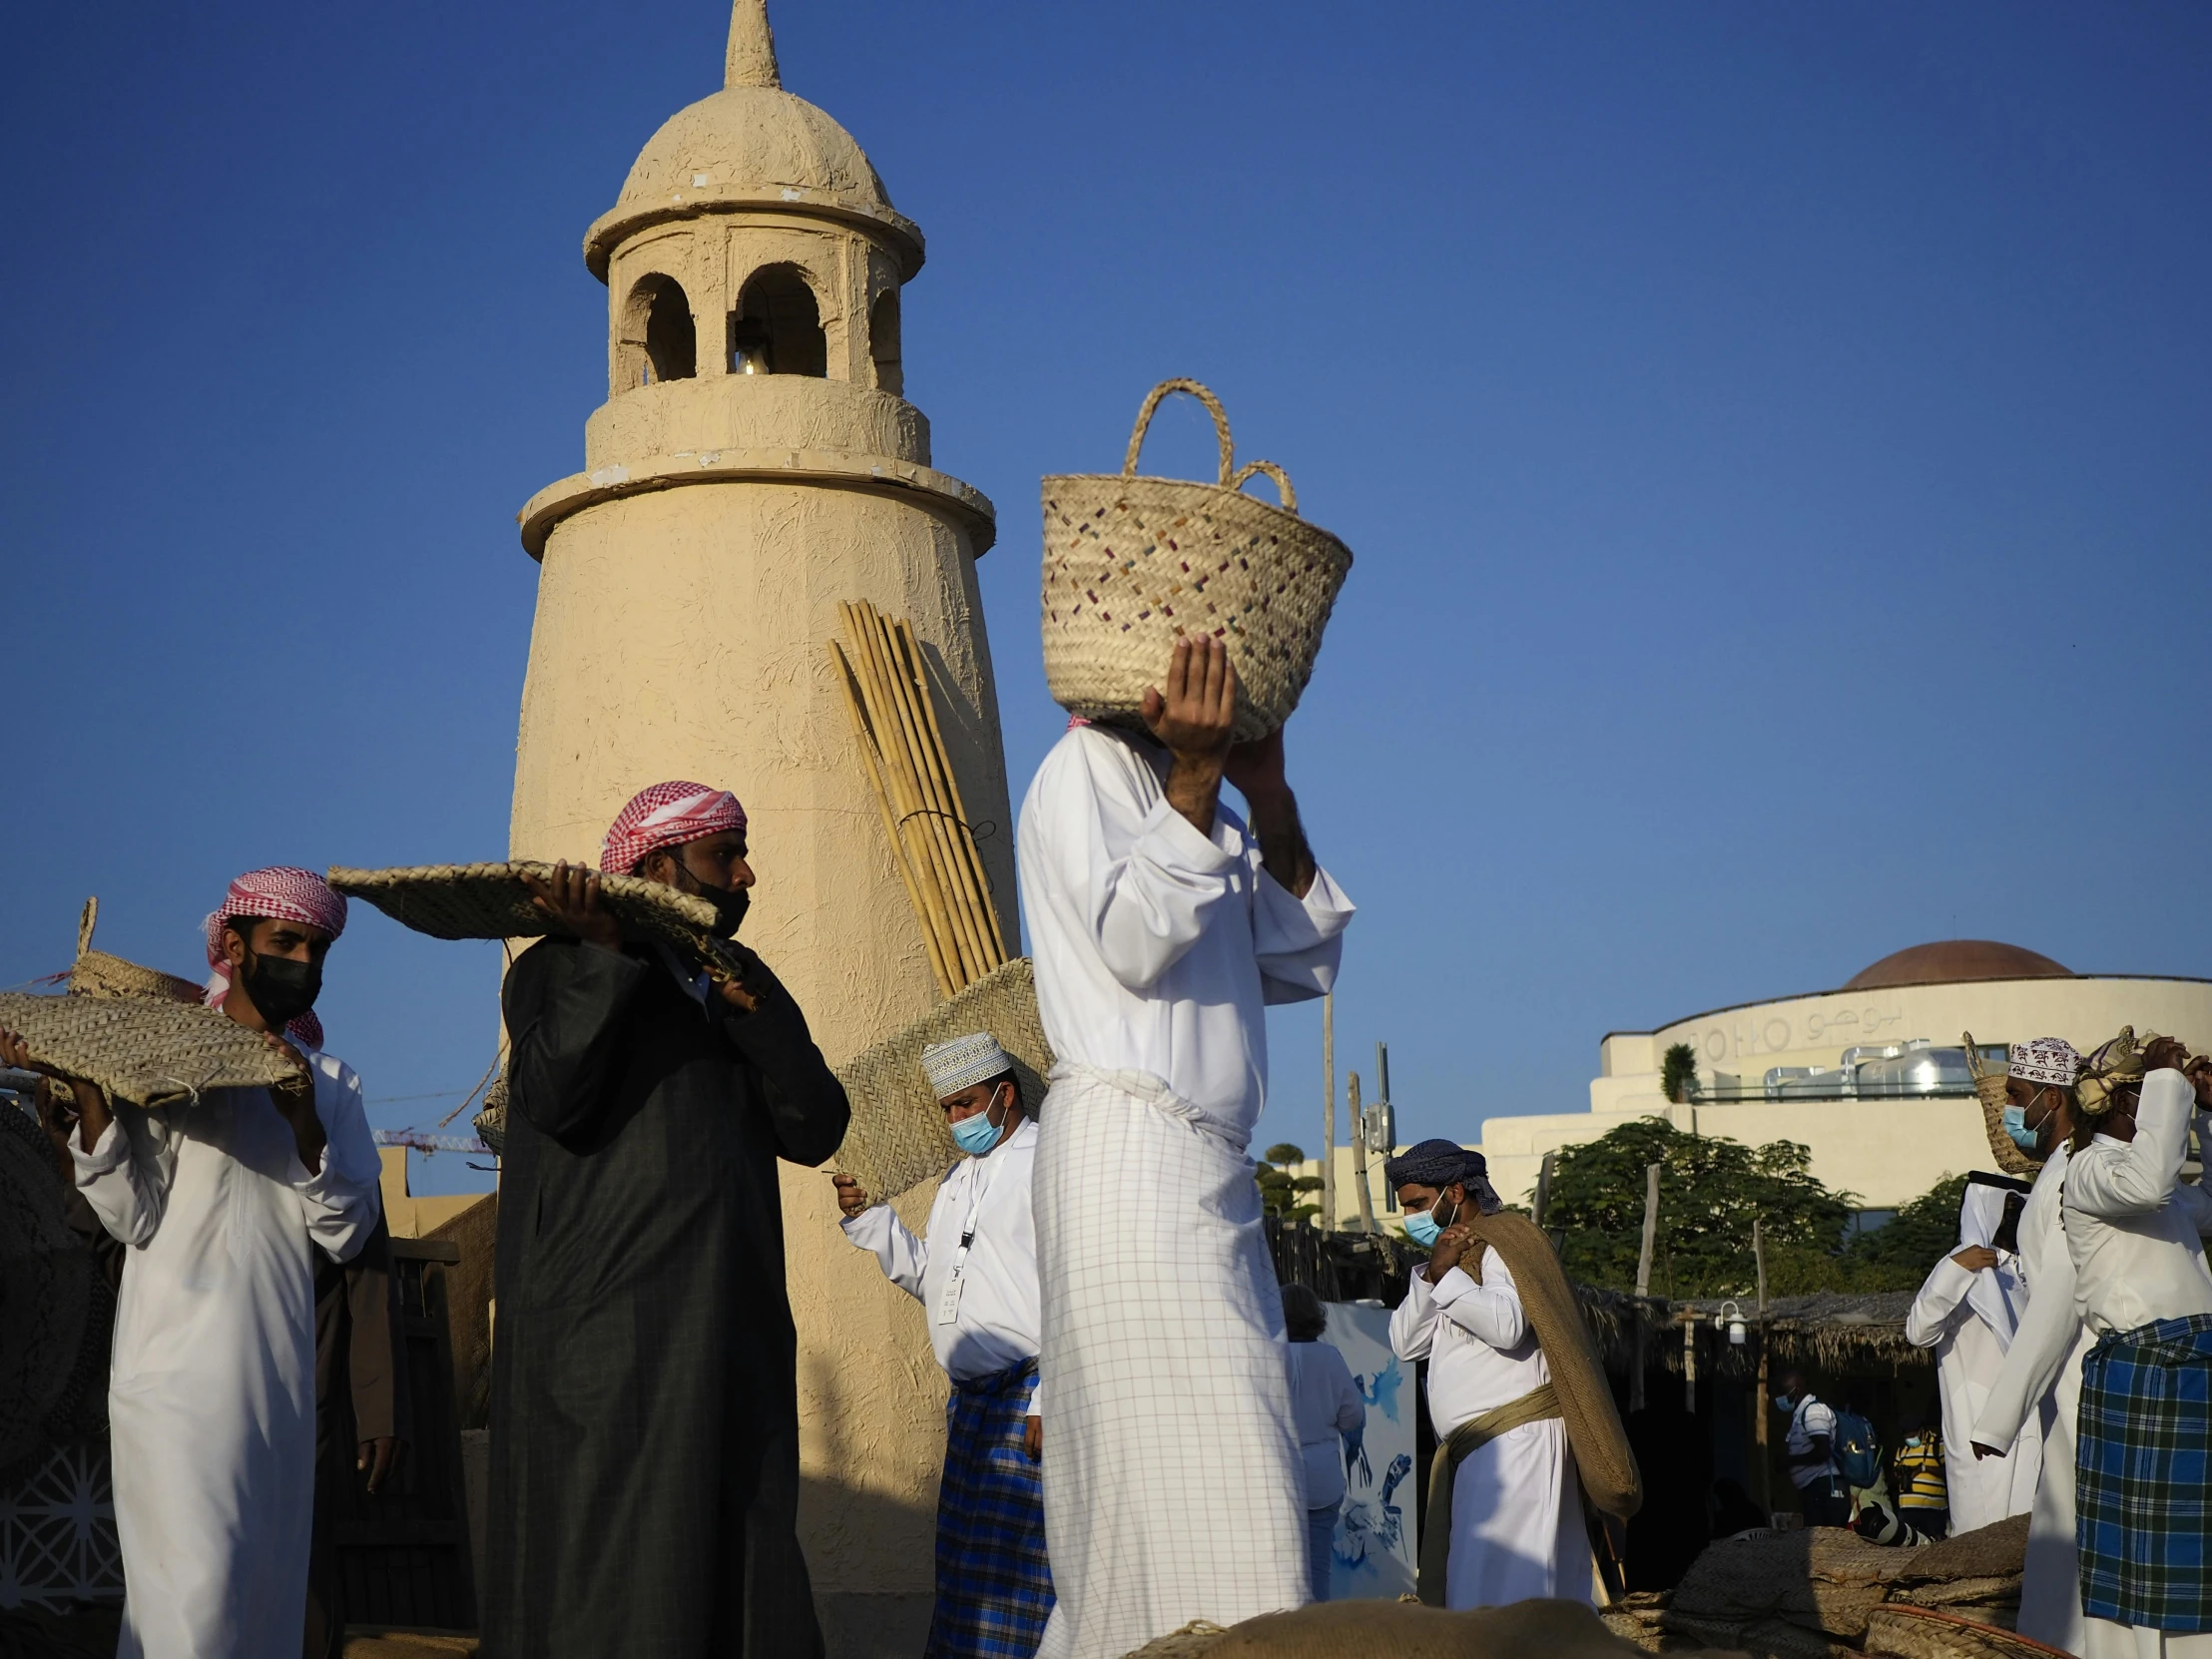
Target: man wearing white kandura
[(2141, 1283), (1161, 925), (226, 1202), (2039, 1385), (1967, 1311), (975, 1274)]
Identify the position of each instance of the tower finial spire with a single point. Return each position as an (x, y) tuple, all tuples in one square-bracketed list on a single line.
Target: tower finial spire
[(751, 59)]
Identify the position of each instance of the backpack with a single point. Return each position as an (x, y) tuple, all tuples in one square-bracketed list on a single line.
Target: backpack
[(1857, 1453)]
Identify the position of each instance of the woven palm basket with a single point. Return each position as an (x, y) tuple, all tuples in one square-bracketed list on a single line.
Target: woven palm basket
[(145, 1050), (489, 902), (1988, 1088), (1131, 563), (898, 1138), (96, 974)]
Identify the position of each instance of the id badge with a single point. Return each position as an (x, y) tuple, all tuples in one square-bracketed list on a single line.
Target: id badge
[(948, 1299)]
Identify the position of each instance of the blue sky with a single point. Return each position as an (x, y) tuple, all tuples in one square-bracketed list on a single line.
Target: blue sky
[(1773, 440)]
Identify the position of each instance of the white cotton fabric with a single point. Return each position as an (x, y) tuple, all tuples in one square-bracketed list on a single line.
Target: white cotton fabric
[(999, 1319), (1172, 1475), (1158, 948), (1325, 1406), (2134, 1235), (1173, 1485), (2135, 1242), (1813, 1419), (1517, 1505), (1969, 1318), (211, 1398), (2038, 1392)]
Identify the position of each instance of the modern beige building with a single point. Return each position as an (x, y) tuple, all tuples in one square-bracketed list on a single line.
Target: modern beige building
[(1871, 1076), (756, 464)]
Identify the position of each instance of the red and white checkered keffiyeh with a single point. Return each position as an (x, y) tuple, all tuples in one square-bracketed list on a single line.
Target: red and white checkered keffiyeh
[(667, 815), (282, 893)]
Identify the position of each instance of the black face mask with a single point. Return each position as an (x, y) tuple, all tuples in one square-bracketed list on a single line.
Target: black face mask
[(281, 989), (729, 903)]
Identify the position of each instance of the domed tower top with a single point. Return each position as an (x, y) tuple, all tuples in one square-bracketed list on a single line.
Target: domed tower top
[(751, 144)]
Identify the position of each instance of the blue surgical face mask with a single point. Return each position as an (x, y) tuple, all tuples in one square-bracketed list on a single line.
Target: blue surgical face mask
[(1422, 1227), (1782, 1402), (2015, 1125), (976, 1135)]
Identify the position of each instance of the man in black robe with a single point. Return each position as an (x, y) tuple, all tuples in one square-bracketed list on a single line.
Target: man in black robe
[(645, 1410)]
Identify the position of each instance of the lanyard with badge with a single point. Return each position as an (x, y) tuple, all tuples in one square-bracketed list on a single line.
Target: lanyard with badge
[(948, 1297)]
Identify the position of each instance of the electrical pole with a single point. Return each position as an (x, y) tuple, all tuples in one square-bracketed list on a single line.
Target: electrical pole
[(1759, 1410), (1643, 1280), (1359, 1158), (1329, 1098)]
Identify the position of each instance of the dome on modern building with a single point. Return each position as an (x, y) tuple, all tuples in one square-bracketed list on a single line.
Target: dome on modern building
[(1956, 962), (751, 145)]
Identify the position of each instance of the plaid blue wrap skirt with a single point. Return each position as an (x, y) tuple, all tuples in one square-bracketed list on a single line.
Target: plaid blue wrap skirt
[(2143, 1476)]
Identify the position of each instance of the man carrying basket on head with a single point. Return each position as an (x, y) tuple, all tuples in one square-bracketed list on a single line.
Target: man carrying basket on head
[(644, 1407), (1162, 924)]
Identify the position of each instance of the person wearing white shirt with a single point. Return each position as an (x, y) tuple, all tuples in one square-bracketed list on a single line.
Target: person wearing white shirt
[(1809, 1454), (975, 1274), (1331, 1423), (2142, 1285), (1161, 924), (1515, 1503), (2038, 1388), (1967, 1311), (226, 1201)]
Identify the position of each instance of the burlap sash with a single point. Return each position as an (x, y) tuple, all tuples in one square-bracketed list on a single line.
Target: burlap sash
[(1536, 1405), (1602, 1460)]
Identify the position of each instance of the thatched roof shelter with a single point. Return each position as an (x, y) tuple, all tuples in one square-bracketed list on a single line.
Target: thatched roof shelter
[(1827, 1330)]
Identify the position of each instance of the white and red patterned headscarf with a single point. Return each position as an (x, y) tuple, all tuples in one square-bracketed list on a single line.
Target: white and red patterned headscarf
[(282, 893), (667, 815), (2047, 1060)]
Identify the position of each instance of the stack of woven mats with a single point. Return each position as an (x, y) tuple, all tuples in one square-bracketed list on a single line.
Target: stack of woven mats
[(1406, 1630), (1824, 1593)]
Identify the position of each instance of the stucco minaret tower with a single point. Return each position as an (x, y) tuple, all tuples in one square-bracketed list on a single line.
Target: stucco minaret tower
[(754, 465)]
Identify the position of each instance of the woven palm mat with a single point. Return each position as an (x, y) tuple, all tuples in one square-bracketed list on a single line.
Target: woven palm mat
[(489, 902), (1403, 1630), (56, 1311), (898, 1138), (146, 1051), (96, 974)]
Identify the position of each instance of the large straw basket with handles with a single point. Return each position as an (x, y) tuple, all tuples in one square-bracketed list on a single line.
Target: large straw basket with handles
[(1131, 563)]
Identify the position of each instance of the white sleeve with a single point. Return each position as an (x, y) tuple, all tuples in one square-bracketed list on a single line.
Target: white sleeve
[(902, 1256), (1142, 879), (1490, 1310), (1412, 1322), (343, 1199), (125, 1177), (1298, 941), (2039, 1348), (2195, 1203), (1939, 1297), (2135, 1179)]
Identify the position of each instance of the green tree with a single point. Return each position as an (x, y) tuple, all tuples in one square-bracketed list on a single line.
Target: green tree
[(1279, 1189), (1678, 1073), (1923, 1229), (1710, 1190)]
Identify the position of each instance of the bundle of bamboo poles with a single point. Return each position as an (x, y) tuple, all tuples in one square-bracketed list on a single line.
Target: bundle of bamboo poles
[(932, 841)]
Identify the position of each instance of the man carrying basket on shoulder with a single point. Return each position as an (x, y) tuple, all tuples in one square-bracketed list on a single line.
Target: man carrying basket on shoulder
[(1162, 923)]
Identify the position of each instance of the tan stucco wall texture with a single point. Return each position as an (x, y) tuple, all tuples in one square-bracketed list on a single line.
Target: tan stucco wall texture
[(691, 581)]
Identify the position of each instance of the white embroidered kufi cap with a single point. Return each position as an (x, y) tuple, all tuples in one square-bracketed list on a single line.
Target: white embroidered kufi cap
[(963, 1062), (2047, 1060)]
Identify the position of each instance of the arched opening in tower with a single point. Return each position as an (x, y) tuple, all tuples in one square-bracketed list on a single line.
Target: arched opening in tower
[(882, 343), (777, 327), (659, 340)]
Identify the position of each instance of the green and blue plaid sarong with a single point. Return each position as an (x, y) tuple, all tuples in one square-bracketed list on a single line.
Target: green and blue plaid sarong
[(2143, 1477), (994, 1587)]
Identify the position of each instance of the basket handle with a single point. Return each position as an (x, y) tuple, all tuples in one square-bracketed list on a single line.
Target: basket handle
[(1213, 408), (1282, 479)]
